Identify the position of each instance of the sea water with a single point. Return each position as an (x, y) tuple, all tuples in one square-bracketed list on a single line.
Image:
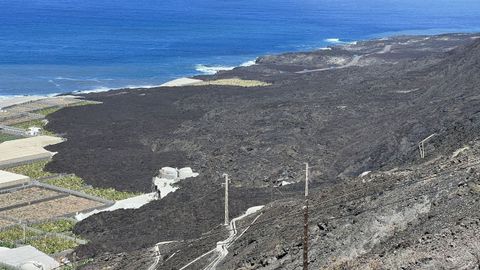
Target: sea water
[(57, 46)]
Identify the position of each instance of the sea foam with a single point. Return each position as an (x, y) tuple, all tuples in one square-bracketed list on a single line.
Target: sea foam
[(211, 70)]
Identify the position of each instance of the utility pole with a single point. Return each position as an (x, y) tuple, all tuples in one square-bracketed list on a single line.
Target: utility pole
[(226, 199), (305, 222)]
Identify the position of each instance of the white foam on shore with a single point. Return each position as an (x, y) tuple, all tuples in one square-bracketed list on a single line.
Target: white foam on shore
[(249, 63), (339, 41), (211, 70)]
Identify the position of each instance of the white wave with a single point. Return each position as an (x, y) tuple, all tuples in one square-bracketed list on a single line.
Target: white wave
[(248, 63), (333, 40), (210, 70), (338, 41)]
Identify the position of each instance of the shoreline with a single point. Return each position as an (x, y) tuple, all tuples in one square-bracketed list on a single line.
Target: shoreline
[(10, 100)]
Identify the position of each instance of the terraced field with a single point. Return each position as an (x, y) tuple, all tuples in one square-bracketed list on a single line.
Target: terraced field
[(51, 209), (25, 195)]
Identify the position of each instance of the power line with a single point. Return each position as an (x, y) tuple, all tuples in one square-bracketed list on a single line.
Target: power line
[(351, 192), (268, 220), (321, 207)]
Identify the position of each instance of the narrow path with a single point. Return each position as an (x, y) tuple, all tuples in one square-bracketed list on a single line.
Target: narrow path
[(353, 62), (156, 249), (222, 246)]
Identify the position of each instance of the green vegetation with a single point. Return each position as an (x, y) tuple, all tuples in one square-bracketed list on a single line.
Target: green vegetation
[(31, 123), (47, 111), (77, 183), (7, 137), (34, 123), (57, 226), (33, 170), (12, 235), (52, 244), (69, 182), (110, 193), (235, 82)]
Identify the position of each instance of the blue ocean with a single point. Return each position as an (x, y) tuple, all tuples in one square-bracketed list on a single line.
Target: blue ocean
[(57, 46)]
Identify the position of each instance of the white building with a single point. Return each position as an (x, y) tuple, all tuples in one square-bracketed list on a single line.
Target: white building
[(167, 177)]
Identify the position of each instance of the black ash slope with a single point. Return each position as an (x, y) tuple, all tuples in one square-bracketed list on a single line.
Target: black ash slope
[(367, 116)]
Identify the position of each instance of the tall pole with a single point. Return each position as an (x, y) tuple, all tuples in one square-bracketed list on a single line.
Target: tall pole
[(305, 222), (226, 199)]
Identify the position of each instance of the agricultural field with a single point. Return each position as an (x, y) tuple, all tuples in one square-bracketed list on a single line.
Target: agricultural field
[(47, 111), (56, 226), (25, 195), (7, 137), (51, 209), (77, 183), (9, 237), (52, 244), (35, 123), (44, 241), (33, 170), (4, 223)]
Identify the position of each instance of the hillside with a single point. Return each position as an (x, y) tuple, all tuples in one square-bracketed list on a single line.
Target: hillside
[(351, 109)]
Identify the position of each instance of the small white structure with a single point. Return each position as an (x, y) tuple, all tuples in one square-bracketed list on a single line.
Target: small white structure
[(164, 182), (27, 258), (33, 131)]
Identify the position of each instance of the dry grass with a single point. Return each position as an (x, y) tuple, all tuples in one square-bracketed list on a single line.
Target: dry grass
[(234, 82)]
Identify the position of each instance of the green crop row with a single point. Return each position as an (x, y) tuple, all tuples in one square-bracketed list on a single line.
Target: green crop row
[(77, 183), (10, 236), (57, 226), (68, 182), (52, 244), (33, 170), (110, 193)]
